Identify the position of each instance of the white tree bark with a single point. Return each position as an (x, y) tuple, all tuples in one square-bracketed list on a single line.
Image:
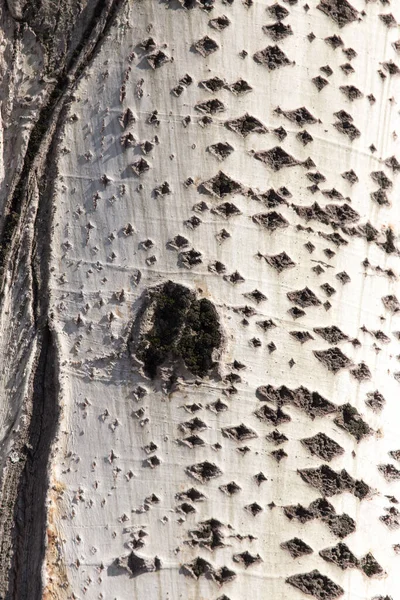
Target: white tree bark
[(245, 152)]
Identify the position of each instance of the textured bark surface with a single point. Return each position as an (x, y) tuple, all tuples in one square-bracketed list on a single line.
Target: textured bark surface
[(199, 300)]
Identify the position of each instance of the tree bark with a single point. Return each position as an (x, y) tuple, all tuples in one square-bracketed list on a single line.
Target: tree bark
[(199, 300)]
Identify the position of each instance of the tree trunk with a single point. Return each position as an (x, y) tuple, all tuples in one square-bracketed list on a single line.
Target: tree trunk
[(199, 300)]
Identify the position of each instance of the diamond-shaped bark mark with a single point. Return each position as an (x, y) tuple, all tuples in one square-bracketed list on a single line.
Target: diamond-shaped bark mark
[(239, 433), (212, 85), (230, 488), (317, 585), (340, 11), (323, 446), (274, 417), (245, 125), (271, 220), (340, 555), (331, 334), (375, 401), (351, 92), (391, 303), (296, 547), (389, 472), (277, 12), (330, 483), (277, 31), (304, 298), (210, 107), (206, 46), (348, 128), (140, 167), (221, 150), (239, 87), (276, 158), (189, 259), (219, 23), (247, 559), (333, 359), (280, 262), (157, 59), (272, 57), (226, 210), (204, 471), (221, 185), (301, 336), (301, 116), (371, 567), (350, 420)]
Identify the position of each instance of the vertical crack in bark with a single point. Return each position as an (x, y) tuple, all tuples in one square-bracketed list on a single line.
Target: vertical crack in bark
[(30, 512)]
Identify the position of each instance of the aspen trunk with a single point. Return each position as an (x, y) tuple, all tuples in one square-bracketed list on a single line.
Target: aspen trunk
[(199, 300)]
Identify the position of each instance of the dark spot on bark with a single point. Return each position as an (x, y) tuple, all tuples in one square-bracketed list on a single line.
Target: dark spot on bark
[(137, 565), (391, 303), (212, 85), (304, 298), (277, 12), (350, 176), (389, 472), (204, 471), (271, 220), (326, 70), (247, 559), (296, 547), (226, 210), (221, 150), (317, 585), (301, 336), (206, 46), (388, 20), (221, 185), (329, 482), (253, 509), (191, 494), (140, 167), (245, 125), (276, 437), (343, 277), (271, 57), (239, 87), (210, 107), (278, 455), (331, 334), (183, 328), (341, 556), (280, 262), (319, 82), (277, 31), (340, 11), (157, 59), (300, 116), (370, 566), (333, 359), (230, 488), (361, 372), (323, 446), (350, 420), (178, 242), (219, 23), (239, 433), (274, 417)]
